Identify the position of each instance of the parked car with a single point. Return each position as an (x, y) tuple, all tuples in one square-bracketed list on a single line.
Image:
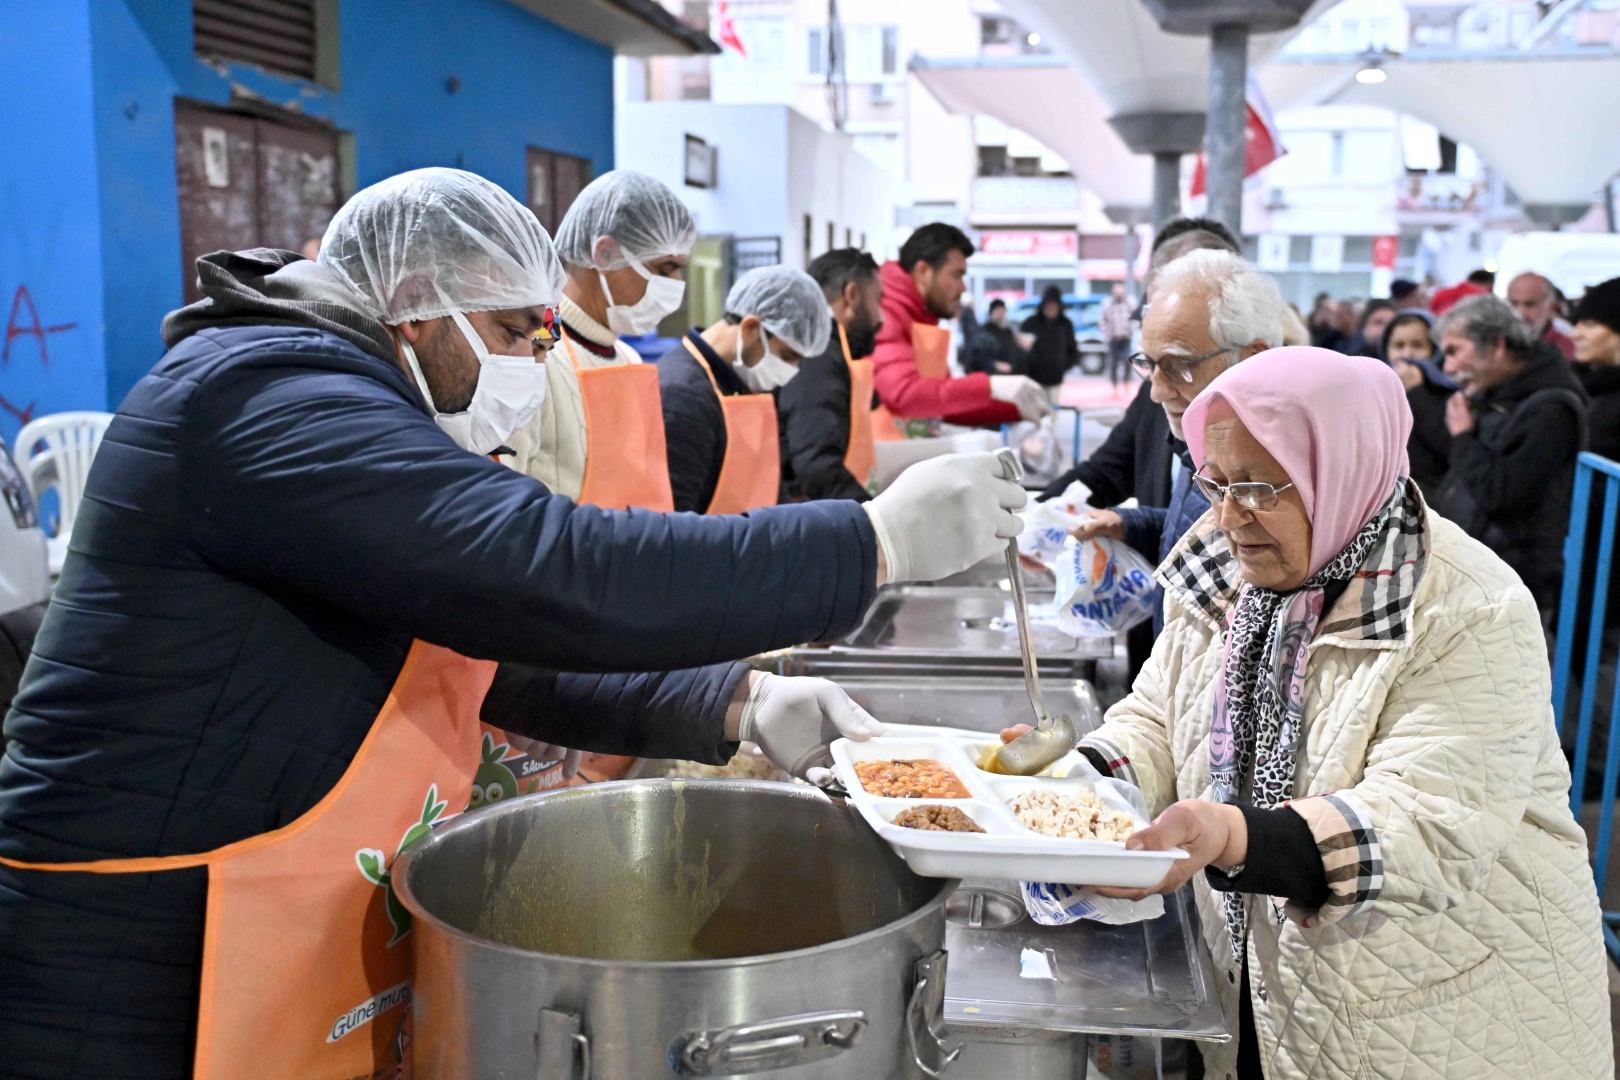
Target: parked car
[(1086, 314)]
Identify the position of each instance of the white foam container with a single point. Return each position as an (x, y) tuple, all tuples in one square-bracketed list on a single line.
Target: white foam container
[(1007, 849)]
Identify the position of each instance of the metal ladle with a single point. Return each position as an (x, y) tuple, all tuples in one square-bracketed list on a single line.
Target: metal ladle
[(1051, 737)]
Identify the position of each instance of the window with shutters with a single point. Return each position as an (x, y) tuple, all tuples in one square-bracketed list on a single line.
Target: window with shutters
[(277, 35)]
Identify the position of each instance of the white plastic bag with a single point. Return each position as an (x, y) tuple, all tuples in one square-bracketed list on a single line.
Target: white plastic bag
[(1103, 588), (1046, 528), (1053, 904)]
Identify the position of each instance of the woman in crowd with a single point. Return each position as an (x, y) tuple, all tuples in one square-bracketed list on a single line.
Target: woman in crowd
[(1346, 724), (1408, 346)]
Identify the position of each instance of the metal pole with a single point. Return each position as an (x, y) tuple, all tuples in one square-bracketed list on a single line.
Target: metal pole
[(1166, 187), (1130, 285), (1225, 122)]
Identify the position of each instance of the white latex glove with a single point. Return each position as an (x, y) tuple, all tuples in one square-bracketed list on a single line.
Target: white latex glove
[(942, 515), (544, 751), (793, 718), (1022, 391)]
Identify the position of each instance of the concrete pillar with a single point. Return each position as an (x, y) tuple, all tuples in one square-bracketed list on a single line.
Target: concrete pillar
[(1167, 136), (1224, 131), (1166, 187)]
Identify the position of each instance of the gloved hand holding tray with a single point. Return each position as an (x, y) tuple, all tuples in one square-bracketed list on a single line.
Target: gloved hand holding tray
[(1007, 849)]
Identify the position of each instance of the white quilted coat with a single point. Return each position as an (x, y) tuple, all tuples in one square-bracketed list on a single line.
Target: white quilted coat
[(1481, 957)]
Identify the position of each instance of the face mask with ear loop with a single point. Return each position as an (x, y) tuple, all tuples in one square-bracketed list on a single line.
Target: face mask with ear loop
[(509, 392), (663, 297), (771, 373)]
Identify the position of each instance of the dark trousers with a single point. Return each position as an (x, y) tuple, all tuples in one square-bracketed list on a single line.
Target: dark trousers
[(1119, 359)]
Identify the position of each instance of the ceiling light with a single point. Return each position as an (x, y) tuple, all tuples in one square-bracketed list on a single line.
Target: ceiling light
[(1034, 39), (1371, 75)]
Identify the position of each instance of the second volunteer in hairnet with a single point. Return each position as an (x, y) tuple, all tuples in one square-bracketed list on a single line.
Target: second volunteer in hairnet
[(599, 436), (717, 388), (295, 576)]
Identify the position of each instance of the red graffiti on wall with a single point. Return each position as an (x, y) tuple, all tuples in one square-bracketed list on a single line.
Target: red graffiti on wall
[(22, 303)]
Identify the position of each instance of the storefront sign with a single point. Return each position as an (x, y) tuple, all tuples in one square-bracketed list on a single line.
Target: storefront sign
[(1033, 244)]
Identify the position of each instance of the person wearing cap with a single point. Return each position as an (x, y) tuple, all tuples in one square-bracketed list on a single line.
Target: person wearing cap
[(303, 606), (598, 436), (718, 391)]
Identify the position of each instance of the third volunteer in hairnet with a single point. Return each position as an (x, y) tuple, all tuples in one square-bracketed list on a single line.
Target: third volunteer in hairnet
[(717, 388), (598, 437)]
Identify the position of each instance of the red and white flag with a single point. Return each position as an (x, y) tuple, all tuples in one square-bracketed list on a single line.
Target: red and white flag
[(1261, 143), (726, 30)]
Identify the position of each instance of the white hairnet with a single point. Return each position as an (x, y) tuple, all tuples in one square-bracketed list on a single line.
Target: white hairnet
[(424, 243), (788, 302), (641, 214)]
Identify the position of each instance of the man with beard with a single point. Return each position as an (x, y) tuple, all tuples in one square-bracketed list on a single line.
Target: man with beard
[(824, 413)]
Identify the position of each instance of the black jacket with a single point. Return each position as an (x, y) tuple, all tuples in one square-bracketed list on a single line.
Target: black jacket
[(694, 424), (271, 519), (1602, 385), (1510, 478), (1428, 447), (1055, 350), (812, 413)]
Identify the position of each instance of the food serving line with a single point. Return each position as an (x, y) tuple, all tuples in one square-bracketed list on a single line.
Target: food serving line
[(731, 927)]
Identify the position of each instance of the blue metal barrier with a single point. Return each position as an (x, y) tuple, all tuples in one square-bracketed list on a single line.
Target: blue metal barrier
[(1574, 552)]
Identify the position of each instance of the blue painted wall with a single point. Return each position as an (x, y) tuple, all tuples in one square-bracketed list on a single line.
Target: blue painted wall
[(89, 210)]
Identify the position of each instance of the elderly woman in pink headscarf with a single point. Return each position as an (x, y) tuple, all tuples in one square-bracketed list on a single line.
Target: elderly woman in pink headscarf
[(1347, 724)]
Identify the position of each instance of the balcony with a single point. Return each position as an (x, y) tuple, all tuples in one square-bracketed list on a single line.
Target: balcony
[(1025, 200)]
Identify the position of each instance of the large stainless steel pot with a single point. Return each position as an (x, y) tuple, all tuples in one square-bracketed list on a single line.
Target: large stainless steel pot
[(657, 927)]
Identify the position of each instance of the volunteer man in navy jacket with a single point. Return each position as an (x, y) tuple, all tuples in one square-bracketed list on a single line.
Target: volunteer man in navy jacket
[(299, 490)]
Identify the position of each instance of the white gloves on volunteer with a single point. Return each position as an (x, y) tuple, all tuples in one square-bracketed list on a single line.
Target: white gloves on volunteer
[(791, 719), (944, 514), (1027, 394)]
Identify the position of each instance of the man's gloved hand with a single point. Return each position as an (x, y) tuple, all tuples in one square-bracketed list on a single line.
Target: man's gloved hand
[(793, 718), (544, 751), (944, 514), (1020, 390)]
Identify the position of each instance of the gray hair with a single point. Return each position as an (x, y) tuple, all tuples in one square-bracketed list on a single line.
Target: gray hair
[(1485, 320), (1246, 305)]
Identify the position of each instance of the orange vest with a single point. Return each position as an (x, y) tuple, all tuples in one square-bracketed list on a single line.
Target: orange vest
[(626, 463), (930, 349), (859, 455), (751, 471)]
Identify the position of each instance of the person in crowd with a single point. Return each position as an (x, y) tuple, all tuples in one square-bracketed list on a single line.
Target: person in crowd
[(1445, 299), (1180, 235), (1210, 310), (1347, 726), (624, 244), (823, 415), (720, 424), (1328, 324), (1409, 348), (1055, 350), (1404, 294), (924, 286), (1004, 348), (1536, 301), (1375, 316), (298, 590), (1115, 322), (1516, 424), (1485, 279)]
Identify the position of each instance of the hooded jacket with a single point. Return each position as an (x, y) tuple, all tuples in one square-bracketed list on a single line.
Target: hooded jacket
[(965, 400), (271, 519)]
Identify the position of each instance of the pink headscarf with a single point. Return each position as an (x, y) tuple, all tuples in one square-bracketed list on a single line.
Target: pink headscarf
[(1336, 424)]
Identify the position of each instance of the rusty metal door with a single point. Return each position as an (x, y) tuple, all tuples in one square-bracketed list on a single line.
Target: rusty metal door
[(555, 181), (249, 181)]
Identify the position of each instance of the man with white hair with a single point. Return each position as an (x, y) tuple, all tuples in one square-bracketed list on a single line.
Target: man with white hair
[(1536, 302), (1210, 310)]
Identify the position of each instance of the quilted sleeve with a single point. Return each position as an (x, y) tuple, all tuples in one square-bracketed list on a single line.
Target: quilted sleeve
[(1448, 771), (1134, 738)]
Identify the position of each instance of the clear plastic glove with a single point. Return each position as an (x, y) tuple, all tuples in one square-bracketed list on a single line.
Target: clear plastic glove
[(792, 719), (941, 516), (544, 751), (1020, 390)]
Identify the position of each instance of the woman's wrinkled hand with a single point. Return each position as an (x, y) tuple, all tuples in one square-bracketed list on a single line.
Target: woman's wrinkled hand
[(1100, 523), (1212, 834)]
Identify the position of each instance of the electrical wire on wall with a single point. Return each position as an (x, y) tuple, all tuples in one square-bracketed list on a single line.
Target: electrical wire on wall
[(837, 82)]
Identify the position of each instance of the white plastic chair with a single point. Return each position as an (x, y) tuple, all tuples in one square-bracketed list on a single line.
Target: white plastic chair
[(56, 451)]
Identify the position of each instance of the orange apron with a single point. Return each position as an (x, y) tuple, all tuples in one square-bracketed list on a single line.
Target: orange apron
[(930, 350), (625, 461), (306, 968), (751, 471), (859, 454)]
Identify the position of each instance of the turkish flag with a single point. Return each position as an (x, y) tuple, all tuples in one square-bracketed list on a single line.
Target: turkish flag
[(727, 29), (1261, 143)]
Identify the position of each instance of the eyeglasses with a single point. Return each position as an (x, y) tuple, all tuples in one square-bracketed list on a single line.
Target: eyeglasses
[(1250, 496), (1175, 368)]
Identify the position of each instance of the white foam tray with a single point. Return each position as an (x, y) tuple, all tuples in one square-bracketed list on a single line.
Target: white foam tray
[(1007, 849)]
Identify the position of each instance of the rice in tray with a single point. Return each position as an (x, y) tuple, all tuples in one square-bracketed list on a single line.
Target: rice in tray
[(1070, 816)]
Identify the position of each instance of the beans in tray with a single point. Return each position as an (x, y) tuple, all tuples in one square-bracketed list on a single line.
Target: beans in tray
[(1077, 816), (937, 818), (922, 778)]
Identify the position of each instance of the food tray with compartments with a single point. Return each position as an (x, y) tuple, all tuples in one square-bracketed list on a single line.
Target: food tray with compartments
[(1007, 848)]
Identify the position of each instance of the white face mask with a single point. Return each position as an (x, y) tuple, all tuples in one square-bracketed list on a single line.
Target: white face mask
[(509, 392), (663, 296), (771, 373)]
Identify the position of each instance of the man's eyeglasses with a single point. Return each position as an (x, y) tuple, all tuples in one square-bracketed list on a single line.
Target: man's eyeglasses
[(1251, 496), (1175, 368)]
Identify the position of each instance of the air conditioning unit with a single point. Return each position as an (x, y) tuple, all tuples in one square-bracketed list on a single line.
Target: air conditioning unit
[(884, 93), (1275, 199)]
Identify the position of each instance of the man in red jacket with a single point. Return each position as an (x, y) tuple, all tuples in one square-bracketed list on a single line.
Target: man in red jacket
[(924, 287)]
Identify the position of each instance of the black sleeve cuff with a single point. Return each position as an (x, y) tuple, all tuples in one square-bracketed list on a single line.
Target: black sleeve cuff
[(1098, 762), (1282, 861)]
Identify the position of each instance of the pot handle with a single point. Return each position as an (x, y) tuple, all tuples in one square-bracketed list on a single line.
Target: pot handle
[(766, 1045), (560, 1039), (927, 1009)]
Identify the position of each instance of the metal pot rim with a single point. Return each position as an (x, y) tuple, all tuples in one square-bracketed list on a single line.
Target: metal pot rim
[(401, 878)]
